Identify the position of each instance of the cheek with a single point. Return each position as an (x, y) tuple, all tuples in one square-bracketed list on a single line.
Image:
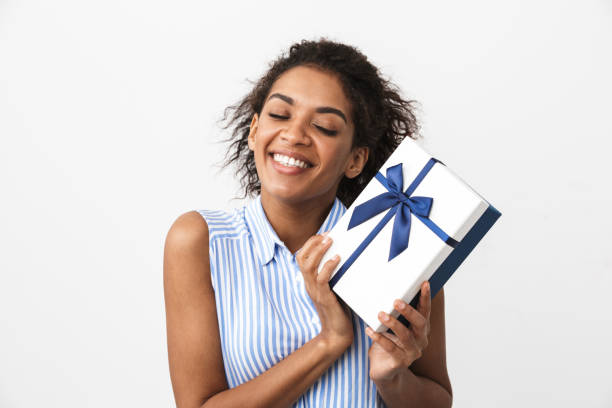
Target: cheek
[(258, 145), (268, 126), (337, 154), (264, 135)]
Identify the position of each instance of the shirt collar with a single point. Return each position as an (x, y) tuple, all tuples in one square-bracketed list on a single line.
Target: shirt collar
[(265, 238)]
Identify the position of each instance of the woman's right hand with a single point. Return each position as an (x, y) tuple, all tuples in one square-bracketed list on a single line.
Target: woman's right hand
[(336, 321)]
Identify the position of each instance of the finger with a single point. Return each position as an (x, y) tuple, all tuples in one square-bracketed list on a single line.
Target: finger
[(317, 249), (328, 267), (418, 322), (425, 300), (317, 254), (403, 334), (393, 338), (312, 252), (305, 249), (384, 342)]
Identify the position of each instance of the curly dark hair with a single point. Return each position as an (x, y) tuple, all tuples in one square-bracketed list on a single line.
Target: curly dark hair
[(382, 118)]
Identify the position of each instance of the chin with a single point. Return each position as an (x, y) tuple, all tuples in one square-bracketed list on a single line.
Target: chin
[(291, 195), (285, 193)]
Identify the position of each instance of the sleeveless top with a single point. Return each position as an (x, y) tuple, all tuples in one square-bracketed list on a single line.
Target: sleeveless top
[(265, 313)]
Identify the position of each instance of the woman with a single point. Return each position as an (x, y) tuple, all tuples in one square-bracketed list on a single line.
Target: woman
[(251, 320)]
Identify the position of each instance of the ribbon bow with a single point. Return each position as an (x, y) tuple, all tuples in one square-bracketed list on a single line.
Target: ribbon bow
[(402, 205)]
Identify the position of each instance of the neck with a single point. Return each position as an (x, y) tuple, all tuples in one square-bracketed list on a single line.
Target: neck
[(294, 223)]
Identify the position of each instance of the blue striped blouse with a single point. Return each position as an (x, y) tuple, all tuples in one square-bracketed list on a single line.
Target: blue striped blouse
[(265, 313)]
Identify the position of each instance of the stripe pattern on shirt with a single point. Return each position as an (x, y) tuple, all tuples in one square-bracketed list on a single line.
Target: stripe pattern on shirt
[(265, 313)]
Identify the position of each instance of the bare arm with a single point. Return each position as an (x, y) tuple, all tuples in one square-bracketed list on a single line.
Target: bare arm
[(194, 346), (411, 367)]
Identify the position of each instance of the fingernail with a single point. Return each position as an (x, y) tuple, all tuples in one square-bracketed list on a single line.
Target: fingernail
[(383, 316), (336, 257), (325, 240), (400, 305)]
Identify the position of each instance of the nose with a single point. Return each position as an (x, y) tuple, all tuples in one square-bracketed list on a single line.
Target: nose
[(295, 133)]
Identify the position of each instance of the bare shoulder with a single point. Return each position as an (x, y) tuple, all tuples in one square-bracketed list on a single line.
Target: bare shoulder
[(188, 230), (186, 255), (191, 319)]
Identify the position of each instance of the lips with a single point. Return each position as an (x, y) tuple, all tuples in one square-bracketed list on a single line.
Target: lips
[(289, 163), (290, 158)]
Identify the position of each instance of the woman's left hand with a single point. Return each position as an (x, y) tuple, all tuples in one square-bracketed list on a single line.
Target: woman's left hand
[(390, 354)]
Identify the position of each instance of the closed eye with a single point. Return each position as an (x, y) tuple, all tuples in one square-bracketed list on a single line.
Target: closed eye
[(272, 115), (328, 132)]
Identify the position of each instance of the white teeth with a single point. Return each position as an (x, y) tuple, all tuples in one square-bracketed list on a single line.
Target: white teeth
[(289, 161)]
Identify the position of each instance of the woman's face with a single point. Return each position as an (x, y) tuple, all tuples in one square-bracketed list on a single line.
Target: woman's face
[(302, 140)]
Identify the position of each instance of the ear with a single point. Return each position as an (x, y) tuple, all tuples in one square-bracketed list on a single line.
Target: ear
[(357, 161), (252, 131)]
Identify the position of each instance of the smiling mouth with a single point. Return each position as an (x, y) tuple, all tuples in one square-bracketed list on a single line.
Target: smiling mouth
[(289, 161)]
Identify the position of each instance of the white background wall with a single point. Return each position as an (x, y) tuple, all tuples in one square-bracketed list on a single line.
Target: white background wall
[(108, 133)]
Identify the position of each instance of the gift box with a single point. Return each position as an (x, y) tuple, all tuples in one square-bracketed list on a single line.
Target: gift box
[(415, 221)]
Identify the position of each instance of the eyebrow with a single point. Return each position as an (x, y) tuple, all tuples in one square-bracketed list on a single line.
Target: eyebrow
[(320, 109)]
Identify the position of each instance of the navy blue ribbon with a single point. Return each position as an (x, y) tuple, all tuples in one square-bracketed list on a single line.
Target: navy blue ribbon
[(401, 205)]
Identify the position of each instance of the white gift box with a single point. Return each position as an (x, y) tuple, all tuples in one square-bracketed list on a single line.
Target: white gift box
[(371, 281)]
